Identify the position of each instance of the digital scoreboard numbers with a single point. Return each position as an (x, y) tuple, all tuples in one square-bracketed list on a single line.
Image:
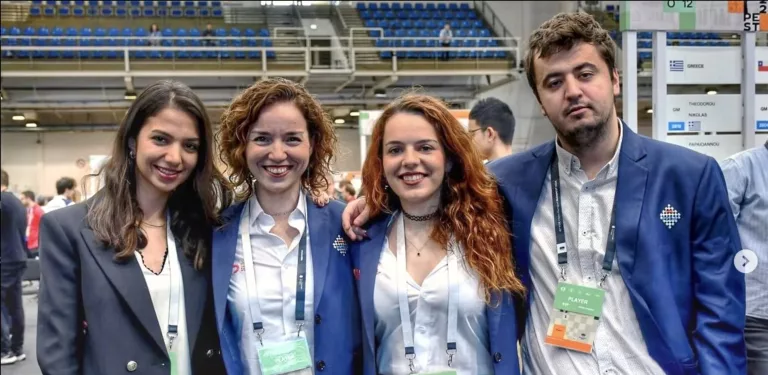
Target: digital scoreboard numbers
[(695, 16)]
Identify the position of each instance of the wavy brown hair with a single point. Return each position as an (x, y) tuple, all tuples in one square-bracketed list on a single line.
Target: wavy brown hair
[(561, 33), (245, 110), (471, 209), (114, 214)]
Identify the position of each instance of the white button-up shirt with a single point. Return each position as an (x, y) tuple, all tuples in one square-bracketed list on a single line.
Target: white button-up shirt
[(276, 265), (428, 305), (619, 347)]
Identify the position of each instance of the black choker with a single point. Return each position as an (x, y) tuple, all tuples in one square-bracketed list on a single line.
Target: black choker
[(420, 218)]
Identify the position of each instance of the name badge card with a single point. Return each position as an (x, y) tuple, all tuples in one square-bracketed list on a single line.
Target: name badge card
[(288, 357), (575, 317)]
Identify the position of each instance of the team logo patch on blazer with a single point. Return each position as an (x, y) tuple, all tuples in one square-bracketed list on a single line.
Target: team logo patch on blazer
[(669, 216), (340, 245)]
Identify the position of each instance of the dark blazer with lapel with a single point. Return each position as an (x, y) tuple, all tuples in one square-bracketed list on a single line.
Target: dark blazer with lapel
[(688, 297), (337, 315), (502, 319), (95, 313)]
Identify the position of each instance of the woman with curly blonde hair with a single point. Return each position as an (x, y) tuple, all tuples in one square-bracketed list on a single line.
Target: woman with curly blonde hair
[(282, 279), (436, 277)]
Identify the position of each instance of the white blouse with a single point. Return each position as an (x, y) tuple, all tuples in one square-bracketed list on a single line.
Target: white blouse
[(276, 266), (160, 291), (428, 305)]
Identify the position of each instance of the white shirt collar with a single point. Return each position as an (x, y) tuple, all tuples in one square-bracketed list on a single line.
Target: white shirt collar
[(570, 162), (258, 216)]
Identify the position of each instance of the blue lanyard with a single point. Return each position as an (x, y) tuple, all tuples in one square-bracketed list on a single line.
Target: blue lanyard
[(562, 250)]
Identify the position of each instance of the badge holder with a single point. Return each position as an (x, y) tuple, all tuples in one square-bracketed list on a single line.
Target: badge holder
[(575, 317), (286, 357)]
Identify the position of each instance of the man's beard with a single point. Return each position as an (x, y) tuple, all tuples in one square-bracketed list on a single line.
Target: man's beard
[(585, 136)]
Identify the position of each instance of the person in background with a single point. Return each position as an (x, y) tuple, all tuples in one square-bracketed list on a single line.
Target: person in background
[(440, 245), (34, 214), (492, 126), (347, 191), (65, 193), (281, 272), (446, 37), (154, 35), (126, 274), (42, 201), (13, 259), (746, 175), (208, 34)]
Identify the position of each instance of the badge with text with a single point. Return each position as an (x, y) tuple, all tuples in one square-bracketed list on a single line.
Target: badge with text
[(448, 372), (575, 317), (289, 357)]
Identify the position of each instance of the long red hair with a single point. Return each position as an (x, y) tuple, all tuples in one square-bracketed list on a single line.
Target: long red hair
[(471, 209)]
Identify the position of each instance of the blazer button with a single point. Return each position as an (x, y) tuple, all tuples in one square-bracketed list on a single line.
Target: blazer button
[(320, 365), (318, 319), (497, 357), (209, 353), (131, 366)]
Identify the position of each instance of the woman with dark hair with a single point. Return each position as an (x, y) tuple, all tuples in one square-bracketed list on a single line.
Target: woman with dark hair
[(126, 283), (436, 278), (282, 278)]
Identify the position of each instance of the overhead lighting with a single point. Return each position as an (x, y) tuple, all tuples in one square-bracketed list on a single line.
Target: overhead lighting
[(130, 96), (649, 110), (339, 121), (313, 26), (19, 118), (354, 114), (711, 92), (31, 125)]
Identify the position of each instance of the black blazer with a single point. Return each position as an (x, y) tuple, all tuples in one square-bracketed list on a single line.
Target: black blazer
[(95, 314)]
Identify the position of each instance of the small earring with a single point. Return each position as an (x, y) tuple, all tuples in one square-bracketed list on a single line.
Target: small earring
[(132, 154), (386, 187)]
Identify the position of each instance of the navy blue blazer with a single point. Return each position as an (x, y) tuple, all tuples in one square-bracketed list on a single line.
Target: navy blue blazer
[(502, 319), (14, 228), (337, 315), (95, 314), (685, 290)]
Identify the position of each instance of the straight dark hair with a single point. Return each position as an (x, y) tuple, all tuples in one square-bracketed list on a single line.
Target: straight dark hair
[(114, 214)]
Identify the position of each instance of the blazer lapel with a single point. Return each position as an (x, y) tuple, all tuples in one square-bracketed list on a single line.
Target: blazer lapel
[(370, 252), (630, 192), (128, 280), (320, 246), (223, 257), (524, 207), (195, 294)]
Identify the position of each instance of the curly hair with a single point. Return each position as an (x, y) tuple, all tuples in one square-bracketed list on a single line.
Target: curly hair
[(471, 209), (245, 110), (561, 33)]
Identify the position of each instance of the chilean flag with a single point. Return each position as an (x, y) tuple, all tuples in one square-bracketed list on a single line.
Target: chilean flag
[(761, 66)]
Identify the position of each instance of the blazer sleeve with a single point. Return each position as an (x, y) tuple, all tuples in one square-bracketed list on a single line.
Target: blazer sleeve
[(59, 320), (719, 287)]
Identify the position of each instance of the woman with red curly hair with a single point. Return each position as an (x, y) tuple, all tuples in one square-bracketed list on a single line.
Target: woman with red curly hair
[(436, 280), (282, 279)]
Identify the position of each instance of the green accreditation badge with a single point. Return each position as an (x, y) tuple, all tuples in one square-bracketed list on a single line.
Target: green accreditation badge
[(286, 357), (575, 317), (174, 364)]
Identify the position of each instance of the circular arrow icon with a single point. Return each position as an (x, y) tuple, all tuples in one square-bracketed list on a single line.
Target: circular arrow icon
[(745, 261)]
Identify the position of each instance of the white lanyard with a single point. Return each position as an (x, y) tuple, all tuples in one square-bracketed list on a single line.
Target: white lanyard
[(250, 276), (402, 294), (173, 311)]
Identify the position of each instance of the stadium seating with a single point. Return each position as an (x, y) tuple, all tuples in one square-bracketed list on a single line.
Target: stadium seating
[(60, 11), (424, 20)]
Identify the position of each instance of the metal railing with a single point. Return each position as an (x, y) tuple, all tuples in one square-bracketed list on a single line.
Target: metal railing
[(490, 17)]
